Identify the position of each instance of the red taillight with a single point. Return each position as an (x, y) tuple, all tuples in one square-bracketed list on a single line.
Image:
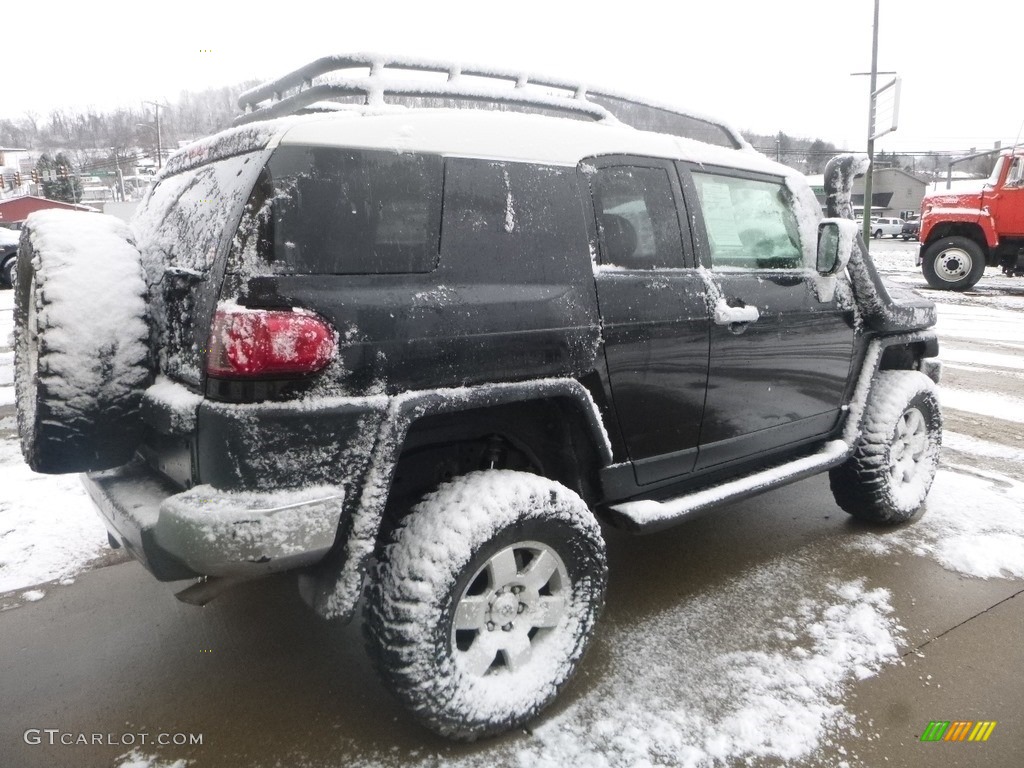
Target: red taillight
[(253, 343)]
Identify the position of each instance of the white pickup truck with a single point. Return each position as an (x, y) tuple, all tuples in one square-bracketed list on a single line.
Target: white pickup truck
[(891, 227)]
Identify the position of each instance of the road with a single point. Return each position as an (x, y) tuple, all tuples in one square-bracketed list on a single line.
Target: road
[(775, 631)]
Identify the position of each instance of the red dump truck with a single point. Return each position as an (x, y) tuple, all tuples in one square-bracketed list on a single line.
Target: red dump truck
[(962, 233)]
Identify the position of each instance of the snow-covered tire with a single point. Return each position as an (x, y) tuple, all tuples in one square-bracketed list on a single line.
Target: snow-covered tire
[(81, 351), (484, 601), (953, 263), (893, 464)]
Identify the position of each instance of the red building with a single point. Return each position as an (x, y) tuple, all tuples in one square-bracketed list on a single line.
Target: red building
[(16, 209)]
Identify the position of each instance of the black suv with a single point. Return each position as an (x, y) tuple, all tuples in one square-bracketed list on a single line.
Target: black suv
[(425, 350)]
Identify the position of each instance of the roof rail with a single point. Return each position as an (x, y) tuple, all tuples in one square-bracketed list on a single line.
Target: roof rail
[(299, 92)]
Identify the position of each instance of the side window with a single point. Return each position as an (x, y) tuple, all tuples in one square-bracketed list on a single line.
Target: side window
[(514, 219), (1015, 176), (750, 223), (638, 226)]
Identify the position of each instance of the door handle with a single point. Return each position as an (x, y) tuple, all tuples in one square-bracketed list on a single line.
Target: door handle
[(737, 318)]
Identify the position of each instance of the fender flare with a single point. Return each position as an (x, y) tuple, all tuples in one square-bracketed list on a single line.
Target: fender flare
[(929, 365), (333, 587)]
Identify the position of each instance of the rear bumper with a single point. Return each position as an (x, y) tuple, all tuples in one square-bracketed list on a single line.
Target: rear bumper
[(208, 532)]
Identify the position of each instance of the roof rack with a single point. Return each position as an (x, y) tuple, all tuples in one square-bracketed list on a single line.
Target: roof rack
[(316, 86)]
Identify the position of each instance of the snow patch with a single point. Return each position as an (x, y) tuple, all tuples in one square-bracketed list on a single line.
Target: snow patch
[(723, 313), (49, 528), (974, 446), (978, 358), (989, 404), (33, 595), (174, 401), (973, 525)]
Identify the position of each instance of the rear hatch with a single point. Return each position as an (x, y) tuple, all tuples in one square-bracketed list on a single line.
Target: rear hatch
[(184, 228)]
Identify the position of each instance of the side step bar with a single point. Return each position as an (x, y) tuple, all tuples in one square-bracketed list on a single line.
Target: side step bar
[(649, 516)]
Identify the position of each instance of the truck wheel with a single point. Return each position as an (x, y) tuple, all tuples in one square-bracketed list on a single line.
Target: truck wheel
[(877, 234), (484, 602), (81, 342), (953, 263), (893, 464)]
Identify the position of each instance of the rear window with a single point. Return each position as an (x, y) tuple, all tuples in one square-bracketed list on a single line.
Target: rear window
[(324, 210)]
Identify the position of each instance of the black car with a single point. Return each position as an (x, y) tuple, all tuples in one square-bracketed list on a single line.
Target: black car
[(8, 256), (911, 229), (428, 351)]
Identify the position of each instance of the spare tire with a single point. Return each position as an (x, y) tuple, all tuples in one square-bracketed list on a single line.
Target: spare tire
[(81, 350)]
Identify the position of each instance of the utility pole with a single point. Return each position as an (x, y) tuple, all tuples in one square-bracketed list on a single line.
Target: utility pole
[(119, 177), (159, 156), (871, 129)]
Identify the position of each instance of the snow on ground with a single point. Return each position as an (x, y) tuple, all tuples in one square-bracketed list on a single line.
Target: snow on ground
[(997, 406), (973, 525), (966, 357), (48, 527), (972, 445), (719, 693), (6, 348)]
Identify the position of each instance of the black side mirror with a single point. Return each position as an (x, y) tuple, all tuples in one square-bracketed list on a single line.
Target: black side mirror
[(834, 249)]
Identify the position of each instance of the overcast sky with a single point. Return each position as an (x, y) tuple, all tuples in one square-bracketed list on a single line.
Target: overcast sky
[(763, 66)]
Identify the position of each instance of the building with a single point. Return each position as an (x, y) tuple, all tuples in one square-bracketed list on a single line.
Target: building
[(17, 209), (894, 193)]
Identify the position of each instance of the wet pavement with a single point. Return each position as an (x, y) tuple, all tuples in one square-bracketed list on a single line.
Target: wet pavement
[(266, 683)]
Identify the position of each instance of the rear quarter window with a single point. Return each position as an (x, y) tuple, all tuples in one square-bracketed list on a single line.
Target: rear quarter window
[(325, 210)]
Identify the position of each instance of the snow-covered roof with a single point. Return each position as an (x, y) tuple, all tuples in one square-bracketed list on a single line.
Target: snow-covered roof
[(511, 136)]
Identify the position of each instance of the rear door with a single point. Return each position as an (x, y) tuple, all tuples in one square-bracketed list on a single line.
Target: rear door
[(776, 376), (654, 318)]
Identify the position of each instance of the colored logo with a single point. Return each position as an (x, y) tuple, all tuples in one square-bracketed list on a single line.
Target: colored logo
[(958, 730)]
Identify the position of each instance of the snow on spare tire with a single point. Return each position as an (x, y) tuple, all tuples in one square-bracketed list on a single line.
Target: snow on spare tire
[(81, 341)]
